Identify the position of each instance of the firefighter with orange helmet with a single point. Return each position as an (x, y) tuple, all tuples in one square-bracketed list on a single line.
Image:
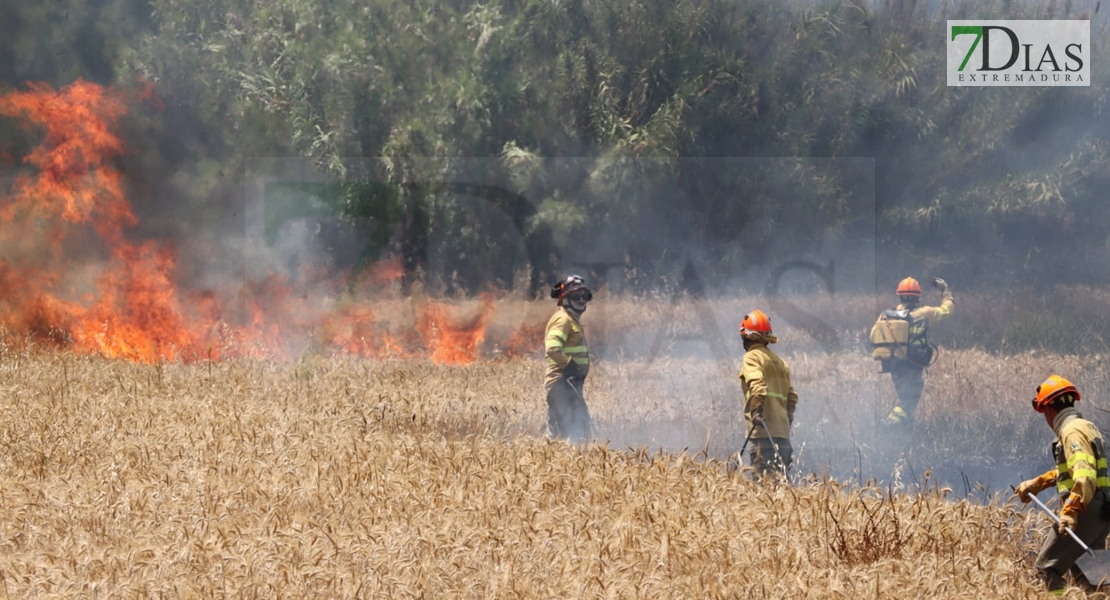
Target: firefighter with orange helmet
[(902, 346), (1080, 478), (568, 361), (769, 398)]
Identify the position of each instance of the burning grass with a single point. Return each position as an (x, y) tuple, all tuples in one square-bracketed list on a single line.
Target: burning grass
[(341, 477), (200, 467), (73, 276)]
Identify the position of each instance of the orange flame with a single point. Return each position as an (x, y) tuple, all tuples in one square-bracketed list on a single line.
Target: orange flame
[(71, 277), (454, 341), (136, 314)]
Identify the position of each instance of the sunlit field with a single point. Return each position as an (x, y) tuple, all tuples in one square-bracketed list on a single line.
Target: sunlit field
[(310, 435), (339, 476)]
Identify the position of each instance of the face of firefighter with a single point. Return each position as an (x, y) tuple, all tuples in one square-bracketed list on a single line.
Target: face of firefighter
[(1050, 415), (577, 300)]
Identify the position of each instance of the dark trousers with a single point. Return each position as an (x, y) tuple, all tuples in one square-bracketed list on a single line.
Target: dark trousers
[(1059, 552), (567, 415), (909, 382), (766, 459)]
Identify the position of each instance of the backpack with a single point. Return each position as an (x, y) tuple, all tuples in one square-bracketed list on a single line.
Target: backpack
[(897, 335)]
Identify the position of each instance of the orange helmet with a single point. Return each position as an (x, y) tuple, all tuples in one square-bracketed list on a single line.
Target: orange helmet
[(909, 287), (756, 323), (1054, 389)]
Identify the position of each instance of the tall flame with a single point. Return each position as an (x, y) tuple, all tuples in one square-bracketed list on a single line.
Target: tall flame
[(72, 276), (135, 314)]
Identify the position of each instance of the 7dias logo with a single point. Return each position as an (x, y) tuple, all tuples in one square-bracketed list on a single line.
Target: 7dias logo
[(1005, 53)]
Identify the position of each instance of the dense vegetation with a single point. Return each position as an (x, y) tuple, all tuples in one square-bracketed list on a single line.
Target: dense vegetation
[(601, 130)]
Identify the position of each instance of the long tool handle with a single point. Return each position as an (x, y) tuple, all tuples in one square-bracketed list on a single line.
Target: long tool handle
[(769, 438), (570, 382), (746, 440), (774, 445), (589, 424), (1067, 530)]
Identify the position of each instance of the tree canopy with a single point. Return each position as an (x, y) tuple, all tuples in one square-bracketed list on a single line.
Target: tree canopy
[(483, 137)]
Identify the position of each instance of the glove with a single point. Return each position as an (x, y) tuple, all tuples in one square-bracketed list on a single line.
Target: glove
[(757, 415), (1073, 507), (1026, 489), (1035, 486), (573, 371), (1067, 521), (939, 283)]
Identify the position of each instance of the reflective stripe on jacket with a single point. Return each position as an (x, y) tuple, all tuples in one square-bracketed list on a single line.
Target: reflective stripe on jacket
[(1080, 459), (765, 379), (564, 341)]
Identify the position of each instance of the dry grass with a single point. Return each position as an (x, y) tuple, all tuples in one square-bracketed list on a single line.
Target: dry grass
[(348, 478), (1066, 320)]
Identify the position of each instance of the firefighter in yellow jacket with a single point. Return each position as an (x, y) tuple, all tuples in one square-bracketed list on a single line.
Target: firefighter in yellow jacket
[(906, 359), (769, 398), (568, 361), (1080, 478)]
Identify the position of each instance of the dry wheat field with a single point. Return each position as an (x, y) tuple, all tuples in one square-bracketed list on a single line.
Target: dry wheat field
[(341, 477), (256, 439)]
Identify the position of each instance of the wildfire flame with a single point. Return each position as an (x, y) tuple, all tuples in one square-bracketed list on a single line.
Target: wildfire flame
[(135, 313), (454, 341), (72, 276)]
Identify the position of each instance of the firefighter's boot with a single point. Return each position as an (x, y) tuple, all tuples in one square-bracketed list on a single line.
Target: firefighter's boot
[(899, 417)]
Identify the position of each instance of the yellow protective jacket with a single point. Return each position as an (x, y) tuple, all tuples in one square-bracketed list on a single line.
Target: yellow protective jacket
[(564, 342), (1080, 458), (893, 338), (765, 379)]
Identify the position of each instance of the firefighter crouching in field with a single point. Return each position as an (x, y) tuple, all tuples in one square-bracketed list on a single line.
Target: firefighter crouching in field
[(1080, 478), (568, 361), (769, 398), (901, 344)]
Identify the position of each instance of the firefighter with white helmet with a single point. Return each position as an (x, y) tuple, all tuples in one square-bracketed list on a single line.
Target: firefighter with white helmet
[(1080, 478), (769, 398), (568, 361), (900, 342)]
